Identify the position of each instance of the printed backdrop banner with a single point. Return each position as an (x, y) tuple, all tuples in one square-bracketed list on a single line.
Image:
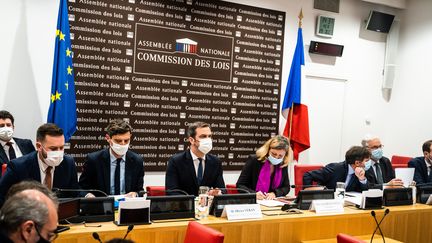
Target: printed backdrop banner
[(164, 64)]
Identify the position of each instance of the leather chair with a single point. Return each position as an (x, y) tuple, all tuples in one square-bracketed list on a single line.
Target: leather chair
[(155, 190), (398, 160), (399, 166), (344, 238), (3, 168), (299, 170), (198, 233), (232, 189)]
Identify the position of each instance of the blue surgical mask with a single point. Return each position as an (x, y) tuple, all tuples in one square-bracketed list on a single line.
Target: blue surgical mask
[(377, 154), (368, 164), (273, 160)]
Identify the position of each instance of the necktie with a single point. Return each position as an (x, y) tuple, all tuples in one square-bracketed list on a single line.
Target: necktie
[(117, 177), (12, 154), (379, 175), (48, 177), (200, 171)]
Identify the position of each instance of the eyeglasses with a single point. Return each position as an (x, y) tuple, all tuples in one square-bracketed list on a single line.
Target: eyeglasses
[(376, 147), (51, 236)]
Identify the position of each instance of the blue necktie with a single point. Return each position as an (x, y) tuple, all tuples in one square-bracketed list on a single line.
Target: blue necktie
[(200, 171), (117, 177)]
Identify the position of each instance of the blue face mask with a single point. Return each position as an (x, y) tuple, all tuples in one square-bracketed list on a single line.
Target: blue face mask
[(273, 160), (377, 154), (368, 164)]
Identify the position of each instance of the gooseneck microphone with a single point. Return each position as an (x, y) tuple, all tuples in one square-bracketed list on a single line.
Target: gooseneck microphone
[(96, 236), (130, 228), (387, 211), (59, 190)]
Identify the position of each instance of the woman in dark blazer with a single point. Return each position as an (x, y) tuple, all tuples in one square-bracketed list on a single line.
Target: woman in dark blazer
[(266, 171)]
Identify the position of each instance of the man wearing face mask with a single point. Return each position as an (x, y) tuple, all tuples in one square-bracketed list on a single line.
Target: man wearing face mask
[(115, 170), (11, 147), (195, 167), (423, 165), (28, 216), (381, 172), (351, 171), (48, 165)]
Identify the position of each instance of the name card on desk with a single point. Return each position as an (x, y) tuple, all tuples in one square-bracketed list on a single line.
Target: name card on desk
[(327, 206), (242, 211)]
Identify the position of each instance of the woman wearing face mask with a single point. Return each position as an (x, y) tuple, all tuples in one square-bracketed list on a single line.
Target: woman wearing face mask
[(266, 172)]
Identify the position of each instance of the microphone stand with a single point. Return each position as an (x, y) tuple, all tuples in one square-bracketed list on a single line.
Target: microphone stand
[(387, 211)]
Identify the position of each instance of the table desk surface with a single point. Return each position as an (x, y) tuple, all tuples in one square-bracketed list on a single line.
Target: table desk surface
[(411, 224)]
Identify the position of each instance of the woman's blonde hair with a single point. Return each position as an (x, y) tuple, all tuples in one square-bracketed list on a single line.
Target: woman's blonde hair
[(276, 142)]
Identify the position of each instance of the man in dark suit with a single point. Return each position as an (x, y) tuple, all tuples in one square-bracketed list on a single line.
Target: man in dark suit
[(189, 170), (11, 147), (351, 172), (115, 170), (47, 165), (422, 165), (381, 172)]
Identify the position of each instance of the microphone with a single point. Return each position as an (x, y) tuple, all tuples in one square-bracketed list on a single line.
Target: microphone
[(96, 236), (239, 189), (177, 190), (387, 211), (59, 190), (130, 228), (308, 186)]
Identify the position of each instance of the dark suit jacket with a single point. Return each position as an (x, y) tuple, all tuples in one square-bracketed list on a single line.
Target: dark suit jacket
[(249, 177), (332, 173), (27, 168), (180, 173), (25, 145), (387, 172), (96, 172), (420, 173)]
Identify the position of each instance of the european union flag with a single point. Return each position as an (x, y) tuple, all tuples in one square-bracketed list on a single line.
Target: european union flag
[(62, 110)]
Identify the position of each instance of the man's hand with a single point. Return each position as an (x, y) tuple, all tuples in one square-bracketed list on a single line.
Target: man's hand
[(395, 183), (214, 192), (360, 173), (131, 194)]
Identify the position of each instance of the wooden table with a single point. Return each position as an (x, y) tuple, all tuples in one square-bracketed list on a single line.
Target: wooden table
[(409, 224)]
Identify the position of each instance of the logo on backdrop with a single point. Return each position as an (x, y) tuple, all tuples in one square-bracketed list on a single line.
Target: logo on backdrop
[(176, 53)]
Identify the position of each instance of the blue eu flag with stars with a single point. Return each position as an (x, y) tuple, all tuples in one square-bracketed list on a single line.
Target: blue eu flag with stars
[(62, 110)]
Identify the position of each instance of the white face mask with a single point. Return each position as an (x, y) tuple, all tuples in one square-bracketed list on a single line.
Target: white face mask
[(6, 133), (206, 144), (54, 158), (274, 160), (120, 149)]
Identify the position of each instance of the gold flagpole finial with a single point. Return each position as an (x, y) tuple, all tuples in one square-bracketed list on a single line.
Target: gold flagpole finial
[(300, 18)]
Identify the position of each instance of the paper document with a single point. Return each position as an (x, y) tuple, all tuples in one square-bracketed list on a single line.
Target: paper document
[(270, 203), (353, 198), (405, 174)]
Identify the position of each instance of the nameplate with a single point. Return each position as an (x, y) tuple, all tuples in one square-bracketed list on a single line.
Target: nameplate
[(326, 206), (242, 211)]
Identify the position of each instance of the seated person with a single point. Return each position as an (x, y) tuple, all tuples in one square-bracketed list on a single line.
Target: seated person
[(381, 172), (11, 147), (266, 172), (422, 165), (29, 216), (115, 170), (351, 171), (195, 167), (47, 165)]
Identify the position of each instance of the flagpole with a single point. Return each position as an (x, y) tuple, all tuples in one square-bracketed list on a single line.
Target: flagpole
[(291, 111)]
